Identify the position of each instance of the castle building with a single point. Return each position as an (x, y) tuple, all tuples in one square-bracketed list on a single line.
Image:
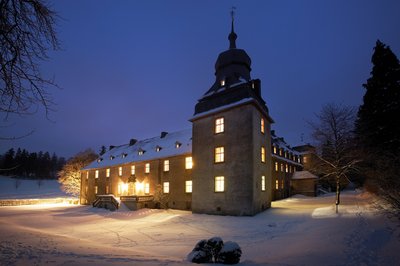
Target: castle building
[(228, 163)]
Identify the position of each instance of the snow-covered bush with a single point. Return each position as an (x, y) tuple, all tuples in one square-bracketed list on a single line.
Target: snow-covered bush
[(230, 253), (215, 250), (201, 253)]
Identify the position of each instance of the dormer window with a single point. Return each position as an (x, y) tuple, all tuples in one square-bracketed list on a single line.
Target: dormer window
[(158, 148), (141, 152), (112, 157), (99, 160), (124, 155), (178, 144), (222, 83)]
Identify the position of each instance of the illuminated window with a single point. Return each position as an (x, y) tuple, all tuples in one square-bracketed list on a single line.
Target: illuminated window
[(219, 184), (108, 172), (141, 152), (282, 183), (262, 126), (178, 144), (146, 188), (263, 183), (147, 168), (287, 168), (87, 175), (158, 148), (124, 155), (188, 186), (299, 159), (275, 150), (133, 170), (166, 165), (120, 171), (219, 155), (276, 167), (96, 174), (86, 190), (188, 163), (263, 154), (280, 152), (304, 159), (166, 187), (282, 167), (277, 184), (107, 189), (222, 82), (96, 190), (219, 125)]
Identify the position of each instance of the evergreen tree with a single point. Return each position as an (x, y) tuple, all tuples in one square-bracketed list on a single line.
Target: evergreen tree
[(378, 123), (378, 126)]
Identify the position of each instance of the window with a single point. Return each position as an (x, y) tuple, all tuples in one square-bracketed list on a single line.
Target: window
[(107, 189), (147, 168), (188, 186), (287, 168), (282, 183), (263, 154), (275, 150), (140, 152), (133, 170), (219, 155), (96, 174), (188, 163), (166, 165), (87, 175), (282, 167), (222, 83), (158, 148), (219, 125), (178, 144), (120, 171), (146, 188), (219, 184), (262, 126), (277, 184), (166, 187), (263, 183), (96, 189), (304, 159), (280, 152), (108, 172), (276, 167)]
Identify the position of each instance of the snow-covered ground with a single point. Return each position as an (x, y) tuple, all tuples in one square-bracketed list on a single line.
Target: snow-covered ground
[(11, 188), (295, 231)]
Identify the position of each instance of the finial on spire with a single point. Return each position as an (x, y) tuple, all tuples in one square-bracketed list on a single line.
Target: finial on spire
[(232, 36)]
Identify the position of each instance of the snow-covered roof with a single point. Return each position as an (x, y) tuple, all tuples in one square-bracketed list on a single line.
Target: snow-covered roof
[(172, 144), (221, 108), (303, 175)]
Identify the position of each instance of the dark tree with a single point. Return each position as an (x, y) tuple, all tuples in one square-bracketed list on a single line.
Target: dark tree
[(378, 125), (332, 132), (378, 122), (27, 33)]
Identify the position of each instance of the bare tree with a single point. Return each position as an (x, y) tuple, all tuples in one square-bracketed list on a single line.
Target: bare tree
[(70, 175), (27, 33), (333, 133)]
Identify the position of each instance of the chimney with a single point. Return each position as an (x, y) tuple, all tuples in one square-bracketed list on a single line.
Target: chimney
[(132, 142), (163, 134), (111, 147)]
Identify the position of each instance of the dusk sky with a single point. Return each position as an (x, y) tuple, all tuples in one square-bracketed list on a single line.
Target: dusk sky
[(131, 69)]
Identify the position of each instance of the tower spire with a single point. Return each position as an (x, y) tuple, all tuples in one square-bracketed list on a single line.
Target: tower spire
[(232, 36)]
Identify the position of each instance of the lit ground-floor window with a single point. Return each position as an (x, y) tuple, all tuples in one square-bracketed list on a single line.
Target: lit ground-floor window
[(219, 184)]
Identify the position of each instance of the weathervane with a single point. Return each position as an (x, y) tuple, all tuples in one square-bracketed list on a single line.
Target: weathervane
[(233, 8), (232, 36)]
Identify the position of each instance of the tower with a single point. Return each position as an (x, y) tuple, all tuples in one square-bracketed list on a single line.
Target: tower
[(231, 142)]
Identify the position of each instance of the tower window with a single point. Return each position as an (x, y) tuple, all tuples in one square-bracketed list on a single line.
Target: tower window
[(263, 183), (96, 174), (108, 172), (262, 124), (263, 154), (188, 163), (147, 168), (96, 190), (120, 171), (219, 155), (188, 186), (219, 184), (219, 125), (133, 170), (146, 188)]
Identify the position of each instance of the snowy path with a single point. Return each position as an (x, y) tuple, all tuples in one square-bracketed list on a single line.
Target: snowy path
[(296, 231)]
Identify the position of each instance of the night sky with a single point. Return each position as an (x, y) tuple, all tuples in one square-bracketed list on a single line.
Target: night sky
[(131, 69)]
